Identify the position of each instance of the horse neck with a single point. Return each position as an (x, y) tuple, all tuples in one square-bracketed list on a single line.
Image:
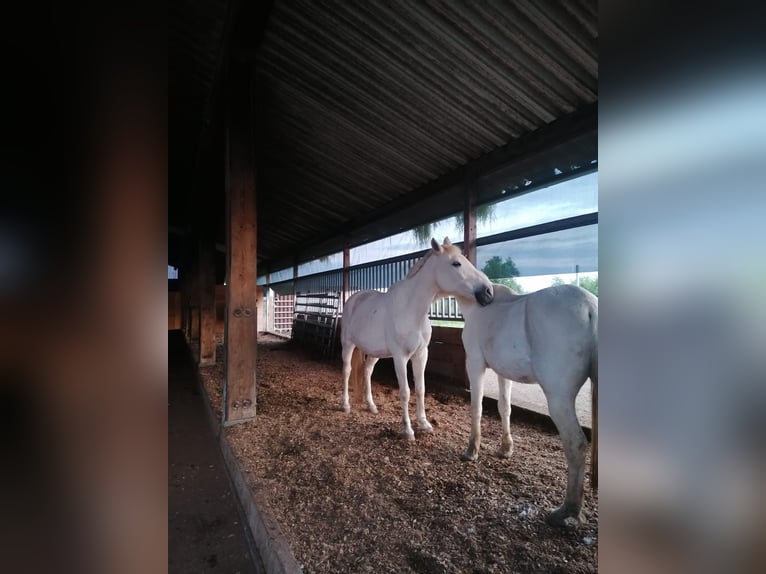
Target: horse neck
[(422, 289), (467, 306)]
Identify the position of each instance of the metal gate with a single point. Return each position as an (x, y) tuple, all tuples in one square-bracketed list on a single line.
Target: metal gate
[(284, 306)]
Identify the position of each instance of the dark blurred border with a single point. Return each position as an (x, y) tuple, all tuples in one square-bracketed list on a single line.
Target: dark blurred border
[(682, 126), (82, 287)]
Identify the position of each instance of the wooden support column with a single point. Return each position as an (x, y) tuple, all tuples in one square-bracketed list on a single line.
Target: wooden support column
[(207, 301), (191, 298), (346, 272), (184, 300), (259, 305), (194, 305), (469, 221), (240, 330), (269, 307)]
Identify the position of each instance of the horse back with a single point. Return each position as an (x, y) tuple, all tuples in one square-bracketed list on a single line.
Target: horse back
[(562, 326)]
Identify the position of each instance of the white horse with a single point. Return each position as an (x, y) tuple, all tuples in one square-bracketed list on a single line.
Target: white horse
[(395, 324), (549, 337)]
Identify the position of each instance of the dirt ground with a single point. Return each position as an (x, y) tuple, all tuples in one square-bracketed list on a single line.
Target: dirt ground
[(350, 496)]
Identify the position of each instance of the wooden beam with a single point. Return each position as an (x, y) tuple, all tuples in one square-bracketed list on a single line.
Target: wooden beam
[(469, 221), (346, 272), (533, 155), (207, 301), (541, 228), (240, 330)]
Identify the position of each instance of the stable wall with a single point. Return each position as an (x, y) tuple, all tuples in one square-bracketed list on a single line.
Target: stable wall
[(446, 355), (175, 310)]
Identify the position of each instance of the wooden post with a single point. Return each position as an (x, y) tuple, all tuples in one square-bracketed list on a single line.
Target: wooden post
[(184, 301), (269, 306), (469, 221), (207, 301), (259, 305), (192, 304), (346, 272), (240, 330)]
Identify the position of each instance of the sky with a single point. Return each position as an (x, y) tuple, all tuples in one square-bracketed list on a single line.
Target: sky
[(553, 254)]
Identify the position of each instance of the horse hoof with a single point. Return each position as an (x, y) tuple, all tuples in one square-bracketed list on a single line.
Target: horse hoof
[(425, 427), (502, 453), (559, 516), (345, 408), (373, 409), (469, 456), (407, 435)]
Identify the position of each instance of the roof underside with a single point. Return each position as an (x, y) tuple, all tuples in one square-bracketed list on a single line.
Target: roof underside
[(371, 117)]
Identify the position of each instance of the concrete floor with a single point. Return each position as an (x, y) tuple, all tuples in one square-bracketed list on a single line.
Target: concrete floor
[(206, 533)]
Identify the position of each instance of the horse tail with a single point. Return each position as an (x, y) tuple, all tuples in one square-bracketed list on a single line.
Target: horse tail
[(594, 405), (357, 366)]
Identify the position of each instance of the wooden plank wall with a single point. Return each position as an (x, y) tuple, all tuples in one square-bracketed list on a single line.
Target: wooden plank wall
[(174, 308), (446, 355)]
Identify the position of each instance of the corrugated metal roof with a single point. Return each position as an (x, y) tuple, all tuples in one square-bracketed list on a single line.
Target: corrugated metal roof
[(196, 33), (362, 102), (364, 108)]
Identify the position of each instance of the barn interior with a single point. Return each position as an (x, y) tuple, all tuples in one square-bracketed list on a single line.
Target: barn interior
[(300, 129)]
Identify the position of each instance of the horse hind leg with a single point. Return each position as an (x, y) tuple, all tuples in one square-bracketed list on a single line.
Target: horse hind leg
[(562, 410), (419, 360), (504, 407), (369, 365)]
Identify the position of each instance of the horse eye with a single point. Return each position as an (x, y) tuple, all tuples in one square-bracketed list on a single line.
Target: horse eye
[(456, 263)]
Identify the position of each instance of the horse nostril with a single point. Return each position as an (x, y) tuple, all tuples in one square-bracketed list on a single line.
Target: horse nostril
[(484, 296)]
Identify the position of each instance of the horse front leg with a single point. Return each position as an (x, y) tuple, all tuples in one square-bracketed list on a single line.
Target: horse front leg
[(562, 410), (419, 360), (504, 406), (346, 353), (400, 364), (476, 367), (369, 365)]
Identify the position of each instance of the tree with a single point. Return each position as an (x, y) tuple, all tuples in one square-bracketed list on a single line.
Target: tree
[(511, 283), (496, 268), (590, 284), (503, 272), (587, 283), (423, 233)]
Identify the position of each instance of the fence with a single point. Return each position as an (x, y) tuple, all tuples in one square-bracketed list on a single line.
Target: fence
[(283, 313), (316, 321), (380, 275)]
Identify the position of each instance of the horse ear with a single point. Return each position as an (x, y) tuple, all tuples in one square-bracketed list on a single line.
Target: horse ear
[(447, 241), (435, 246)]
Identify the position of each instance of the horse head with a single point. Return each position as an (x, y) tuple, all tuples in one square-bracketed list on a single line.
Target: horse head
[(457, 276)]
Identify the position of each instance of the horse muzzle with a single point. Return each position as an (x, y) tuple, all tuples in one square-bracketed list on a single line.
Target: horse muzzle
[(484, 295)]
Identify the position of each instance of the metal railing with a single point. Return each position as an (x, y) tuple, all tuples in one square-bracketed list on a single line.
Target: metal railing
[(284, 306), (380, 275)]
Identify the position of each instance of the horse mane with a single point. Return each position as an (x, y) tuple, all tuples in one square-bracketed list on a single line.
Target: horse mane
[(451, 249), (419, 264)]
